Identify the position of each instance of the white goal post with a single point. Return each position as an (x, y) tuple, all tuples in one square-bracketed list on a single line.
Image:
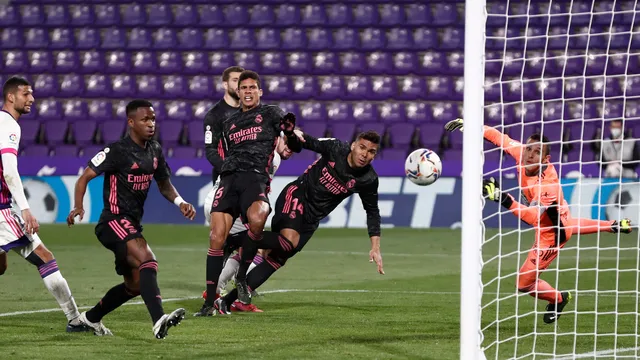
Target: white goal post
[(570, 71)]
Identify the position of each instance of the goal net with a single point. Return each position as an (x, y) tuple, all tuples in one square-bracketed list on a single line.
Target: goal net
[(570, 71)]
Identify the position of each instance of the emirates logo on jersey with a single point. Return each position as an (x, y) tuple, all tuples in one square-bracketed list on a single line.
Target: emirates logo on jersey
[(155, 163), (259, 119)]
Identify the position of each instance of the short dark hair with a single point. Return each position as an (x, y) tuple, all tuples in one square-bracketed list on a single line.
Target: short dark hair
[(12, 84), (544, 140), (134, 105), (370, 135), (248, 74), (226, 74)]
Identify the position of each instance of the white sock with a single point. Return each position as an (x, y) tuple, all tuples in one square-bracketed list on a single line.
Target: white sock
[(59, 288), (253, 265), (229, 271), (257, 260)]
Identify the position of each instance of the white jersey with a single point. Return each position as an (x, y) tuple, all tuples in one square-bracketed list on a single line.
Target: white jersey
[(9, 143), (238, 226)]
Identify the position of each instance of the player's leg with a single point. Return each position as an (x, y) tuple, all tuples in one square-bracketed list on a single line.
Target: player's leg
[(232, 263), (590, 226), (3, 262)]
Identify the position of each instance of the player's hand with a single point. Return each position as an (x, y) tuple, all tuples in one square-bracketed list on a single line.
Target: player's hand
[(300, 135), (188, 210), (454, 125), (288, 123), (31, 225), (71, 219), (491, 189), (375, 255)]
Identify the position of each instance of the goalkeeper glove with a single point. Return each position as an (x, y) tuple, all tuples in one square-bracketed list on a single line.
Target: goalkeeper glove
[(491, 190), (454, 125), (288, 124)]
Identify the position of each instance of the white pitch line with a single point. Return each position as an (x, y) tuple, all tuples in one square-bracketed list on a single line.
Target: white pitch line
[(596, 354)]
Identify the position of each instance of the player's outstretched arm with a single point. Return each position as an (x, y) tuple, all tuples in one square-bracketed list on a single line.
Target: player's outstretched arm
[(369, 199), (170, 193), (529, 214), (79, 191), (321, 146), (499, 139)]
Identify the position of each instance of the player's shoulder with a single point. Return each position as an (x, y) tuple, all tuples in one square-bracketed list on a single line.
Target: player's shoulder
[(272, 109), (155, 145), (371, 176), (8, 123)]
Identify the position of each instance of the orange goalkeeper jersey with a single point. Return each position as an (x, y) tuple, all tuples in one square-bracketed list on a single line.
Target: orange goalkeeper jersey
[(543, 189)]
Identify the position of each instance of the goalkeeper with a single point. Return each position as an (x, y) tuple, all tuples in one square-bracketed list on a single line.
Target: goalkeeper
[(547, 211)]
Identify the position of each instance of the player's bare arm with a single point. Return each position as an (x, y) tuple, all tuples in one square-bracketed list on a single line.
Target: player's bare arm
[(170, 193), (79, 191), (12, 178), (370, 205)]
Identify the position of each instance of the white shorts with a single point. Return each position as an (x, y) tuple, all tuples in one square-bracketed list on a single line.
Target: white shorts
[(237, 227), (13, 235)]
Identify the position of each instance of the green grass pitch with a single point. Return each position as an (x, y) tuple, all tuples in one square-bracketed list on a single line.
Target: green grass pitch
[(327, 303)]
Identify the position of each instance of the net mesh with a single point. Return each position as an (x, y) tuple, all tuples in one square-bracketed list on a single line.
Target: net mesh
[(568, 70)]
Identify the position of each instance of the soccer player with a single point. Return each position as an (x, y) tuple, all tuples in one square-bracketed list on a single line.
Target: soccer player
[(18, 227), (129, 166), (251, 136), (546, 210), (343, 169)]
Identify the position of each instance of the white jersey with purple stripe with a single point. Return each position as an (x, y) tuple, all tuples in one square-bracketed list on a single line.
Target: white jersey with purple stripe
[(9, 143)]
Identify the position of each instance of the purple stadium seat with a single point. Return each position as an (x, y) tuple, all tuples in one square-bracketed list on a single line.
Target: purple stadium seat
[(72, 85), (9, 15), (320, 39), (90, 151), (452, 39), (289, 106), (331, 88), (358, 87), (62, 39), (268, 39), (401, 134), (82, 15), (376, 63), (338, 14), (196, 63), (118, 62), (46, 85), (107, 14), (393, 154), (36, 150), (100, 110), (123, 86), (112, 130), (287, 15), (445, 111), (57, 15), (15, 62), (161, 110), (159, 15), (139, 39), (553, 131), (419, 14), (185, 15), (325, 63), (553, 111), (170, 131), (312, 112), (402, 63), (352, 62), (343, 131), (236, 15), (133, 14), (425, 39), (383, 88), (32, 15), (116, 38), (36, 38), (76, 110), (120, 110), (170, 62), (215, 39), (399, 39), (175, 86), (581, 154), (201, 109), (40, 61), (220, 61), (195, 133), (294, 39), (65, 151), (210, 15), (346, 39), (339, 113), (248, 60), (452, 154), (444, 14), (392, 15), (392, 112), (372, 39), (633, 86), (277, 87), (98, 86), (316, 129), (596, 65), (372, 126), (613, 110), (304, 88), (365, 112), (88, 38), (201, 87), (262, 15), (144, 62), (431, 63), (419, 113), (55, 131), (12, 38), (30, 131), (307, 155), (164, 39), (365, 15), (430, 135), (414, 87), (184, 152), (273, 63), (574, 87), (242, 39), (313, 15)]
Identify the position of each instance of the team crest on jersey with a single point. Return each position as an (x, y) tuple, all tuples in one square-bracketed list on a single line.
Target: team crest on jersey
[(155, 163), (259, 118), (351, 183), (13, 138)]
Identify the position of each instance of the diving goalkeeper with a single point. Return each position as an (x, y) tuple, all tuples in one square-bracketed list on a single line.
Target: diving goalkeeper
[(547, 211)]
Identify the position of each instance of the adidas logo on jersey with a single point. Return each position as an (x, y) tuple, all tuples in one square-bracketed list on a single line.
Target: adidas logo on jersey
[(134, 166)]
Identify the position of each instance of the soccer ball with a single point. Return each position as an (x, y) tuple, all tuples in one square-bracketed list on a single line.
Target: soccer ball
[(43, 200), (423, 167)]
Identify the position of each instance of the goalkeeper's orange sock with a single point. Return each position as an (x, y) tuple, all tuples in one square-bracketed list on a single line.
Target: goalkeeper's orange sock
[(544, 291)]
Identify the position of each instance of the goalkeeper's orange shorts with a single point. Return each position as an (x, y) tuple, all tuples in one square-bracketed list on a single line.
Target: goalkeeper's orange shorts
[(544, 250)]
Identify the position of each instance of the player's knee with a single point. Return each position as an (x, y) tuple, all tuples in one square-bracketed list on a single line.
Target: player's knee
[(525, 284), (43, 253), (216, 239), (132, 286)]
